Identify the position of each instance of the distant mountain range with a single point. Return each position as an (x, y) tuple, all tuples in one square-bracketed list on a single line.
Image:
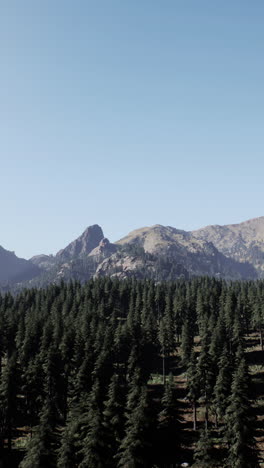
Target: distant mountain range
[(158, 252), (14, 269)]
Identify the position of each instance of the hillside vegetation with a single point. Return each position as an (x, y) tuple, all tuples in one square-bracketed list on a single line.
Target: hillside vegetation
[(133, 374)]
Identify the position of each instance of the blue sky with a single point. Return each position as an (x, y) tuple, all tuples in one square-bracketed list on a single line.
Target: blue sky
[(128, 113)]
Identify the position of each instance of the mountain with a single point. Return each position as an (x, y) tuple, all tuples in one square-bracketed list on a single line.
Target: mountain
[(86, 244), (88, 241), (157, 252), (76, 261), (14, 269), (242, 242), (197, 256), (131, 261), (45, 262), (103, 250)]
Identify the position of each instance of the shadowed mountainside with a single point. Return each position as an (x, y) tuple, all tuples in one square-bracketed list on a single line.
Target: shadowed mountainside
[(14, 269)]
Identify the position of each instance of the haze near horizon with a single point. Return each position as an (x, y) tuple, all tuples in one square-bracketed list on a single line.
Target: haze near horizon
[(127, 114)]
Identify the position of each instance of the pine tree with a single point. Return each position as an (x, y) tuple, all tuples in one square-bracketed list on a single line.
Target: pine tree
[(93, 446), (218, 340), (187, 340), (203, 453), (202, 316), (193, 386), (222, 387), (134, 448), (239, 427), (54, 383), (206, 375), (33, 390), (66, 453), (169, 323), (178, 308), (229, 314), (258, 319), (114, 419), (9, 388), (41, 449), (69, 453), (93, 443), (162, 341), (169, 422)]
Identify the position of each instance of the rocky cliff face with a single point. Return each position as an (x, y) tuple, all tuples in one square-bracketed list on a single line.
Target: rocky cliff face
[(88, 241), (242, 242), (103, 250)]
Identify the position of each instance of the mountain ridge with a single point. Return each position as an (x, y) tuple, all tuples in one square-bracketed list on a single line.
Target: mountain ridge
[(13, 269), (244, 241), (234, 251)]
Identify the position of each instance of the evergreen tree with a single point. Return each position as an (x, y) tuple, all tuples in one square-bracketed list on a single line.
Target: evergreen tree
[(203, 453), (206, 375), (114, 419), (134, 448), (187, 340), (193, 386), (66, 455), (93, 446), (169, 422), (41, 449), (222, 387), (258, 319), (239, 427), (9, 388)]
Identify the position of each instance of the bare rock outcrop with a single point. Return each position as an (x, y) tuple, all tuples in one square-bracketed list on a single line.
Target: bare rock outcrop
[(83, 245)]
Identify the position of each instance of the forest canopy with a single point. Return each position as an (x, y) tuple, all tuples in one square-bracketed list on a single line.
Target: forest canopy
[(132, 374)]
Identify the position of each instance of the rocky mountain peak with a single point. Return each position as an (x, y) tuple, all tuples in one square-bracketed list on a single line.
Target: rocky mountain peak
[(83, 245)]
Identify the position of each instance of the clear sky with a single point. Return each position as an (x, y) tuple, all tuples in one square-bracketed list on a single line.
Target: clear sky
[(128, 113)]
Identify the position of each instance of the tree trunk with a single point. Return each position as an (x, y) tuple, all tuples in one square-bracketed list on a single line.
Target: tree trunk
[(261, 338), (194, 416), (216, 421), (9, 437), (206, 416), (163, 369)]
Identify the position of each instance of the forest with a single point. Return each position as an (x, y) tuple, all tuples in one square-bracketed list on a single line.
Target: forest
[(133, 374)]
